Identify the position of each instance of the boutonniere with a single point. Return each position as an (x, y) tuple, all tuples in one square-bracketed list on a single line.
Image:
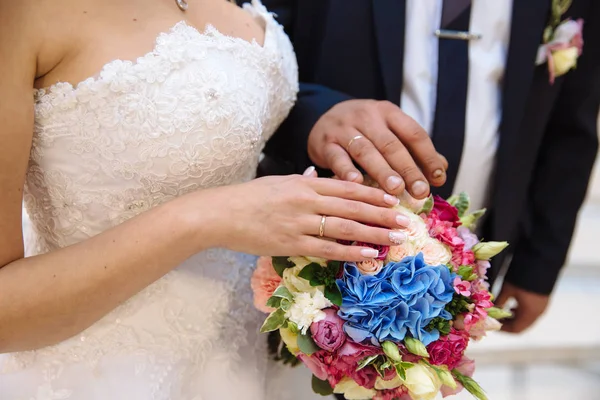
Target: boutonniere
[(563, 41)]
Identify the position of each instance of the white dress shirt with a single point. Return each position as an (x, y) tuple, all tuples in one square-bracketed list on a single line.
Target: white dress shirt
[(487, 59)]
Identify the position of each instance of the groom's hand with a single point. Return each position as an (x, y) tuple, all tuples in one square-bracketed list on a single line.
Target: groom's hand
[(530, 306), (388, 144)]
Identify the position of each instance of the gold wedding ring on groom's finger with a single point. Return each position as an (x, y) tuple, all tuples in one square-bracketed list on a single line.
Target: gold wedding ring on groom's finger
[(322, 226), (352, 141)]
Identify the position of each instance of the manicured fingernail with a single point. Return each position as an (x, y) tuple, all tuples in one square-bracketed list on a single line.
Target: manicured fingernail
[(394, 182), (397, 237), (352, 176), (438, 173), (391, 200), (402, 220), (369, 253), (309, 171), (419, 188)]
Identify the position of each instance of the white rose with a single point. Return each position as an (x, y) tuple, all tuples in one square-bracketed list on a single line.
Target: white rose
[(422, 382), (352, 390), (294, 283), (435, 253), (306, 309), (416, 231)]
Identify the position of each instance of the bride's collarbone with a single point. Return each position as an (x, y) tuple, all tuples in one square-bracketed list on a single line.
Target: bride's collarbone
[(89, 33)]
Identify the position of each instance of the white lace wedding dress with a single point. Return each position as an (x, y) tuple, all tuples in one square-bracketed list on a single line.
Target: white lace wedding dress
[(192, 114)]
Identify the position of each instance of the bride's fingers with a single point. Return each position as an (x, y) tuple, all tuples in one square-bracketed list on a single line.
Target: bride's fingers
[(310, 172), (331, 250), (361, 212), (353, 191), (345, 229)]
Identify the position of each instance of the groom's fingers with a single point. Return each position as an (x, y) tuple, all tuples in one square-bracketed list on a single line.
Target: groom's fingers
[(418, 143), (341, 164)]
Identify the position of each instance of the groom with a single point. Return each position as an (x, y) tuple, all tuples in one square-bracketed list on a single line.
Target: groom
[(518, 141)]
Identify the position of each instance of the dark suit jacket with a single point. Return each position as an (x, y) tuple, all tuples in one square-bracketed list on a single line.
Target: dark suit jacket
[(548, 135)]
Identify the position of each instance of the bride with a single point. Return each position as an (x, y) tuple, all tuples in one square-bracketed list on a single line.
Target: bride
[(133, 282)]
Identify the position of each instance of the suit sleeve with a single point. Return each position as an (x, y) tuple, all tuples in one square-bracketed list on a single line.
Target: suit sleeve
[(562, 171), (286, 152)]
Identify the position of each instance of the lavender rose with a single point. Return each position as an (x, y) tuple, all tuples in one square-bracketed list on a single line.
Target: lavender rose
[(328, 333)]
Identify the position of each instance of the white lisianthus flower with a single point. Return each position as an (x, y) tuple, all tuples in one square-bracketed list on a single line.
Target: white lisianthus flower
[(352, 390), (294, 283), (306, 309), (381, 384), (422, 382), (435, 253)]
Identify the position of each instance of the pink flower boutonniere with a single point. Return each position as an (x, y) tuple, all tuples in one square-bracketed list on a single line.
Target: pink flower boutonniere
[(563, 41)]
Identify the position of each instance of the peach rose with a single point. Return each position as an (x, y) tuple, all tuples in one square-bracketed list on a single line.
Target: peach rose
[(370, 267), (397, 253), (264, 282), (435, 253)]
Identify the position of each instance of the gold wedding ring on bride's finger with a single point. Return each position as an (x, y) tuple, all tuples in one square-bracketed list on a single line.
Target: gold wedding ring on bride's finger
[(322, 226), (352, 141)]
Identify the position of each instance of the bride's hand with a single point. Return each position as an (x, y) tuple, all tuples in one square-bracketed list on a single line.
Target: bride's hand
[(282, 215)]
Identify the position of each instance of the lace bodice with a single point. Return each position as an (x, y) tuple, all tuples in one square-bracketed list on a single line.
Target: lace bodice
[(194, 113)]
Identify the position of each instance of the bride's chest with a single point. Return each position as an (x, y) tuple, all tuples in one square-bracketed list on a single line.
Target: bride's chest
[(183, 112)]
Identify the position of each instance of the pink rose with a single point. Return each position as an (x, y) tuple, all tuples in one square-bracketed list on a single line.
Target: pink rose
[(350, 354), (264, 281), (328, 333), (445, 211), (399, 393), (370, 267), (324, 365), (462, 287), (365, 377), (466, 366), (383, 250), (448, 350)]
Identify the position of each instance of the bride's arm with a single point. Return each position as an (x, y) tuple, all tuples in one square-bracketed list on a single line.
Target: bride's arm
[(51, 297)]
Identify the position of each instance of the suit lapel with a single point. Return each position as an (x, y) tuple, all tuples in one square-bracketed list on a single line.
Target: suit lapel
[(528, 22), (529, 19), (389, 21)]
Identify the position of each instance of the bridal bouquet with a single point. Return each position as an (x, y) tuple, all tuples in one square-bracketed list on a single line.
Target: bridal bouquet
[(392, 328)]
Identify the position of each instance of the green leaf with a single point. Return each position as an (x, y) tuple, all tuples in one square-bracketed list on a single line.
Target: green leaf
[(306, 344), (499, 313), (465, 272), (462, 203), (470, 384), (333, 294), (312, 274), (321, 387), (274, 302), (280, 264), (406, 365), (470, 220), (401, 372), (427, 206), (293, 327), (285, 304), (284, 293), (416, 347), (366, 361), (391, 350), (273, 321)]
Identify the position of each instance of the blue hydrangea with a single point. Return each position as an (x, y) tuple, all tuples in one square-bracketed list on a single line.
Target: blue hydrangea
[(401, 299)]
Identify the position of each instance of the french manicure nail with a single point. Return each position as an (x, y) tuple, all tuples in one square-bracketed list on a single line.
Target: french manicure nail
[(391, 200), (397, 237), (352, 176), (419, 188), (394, 182), (402, 220), (369, 253), (309, 171)]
